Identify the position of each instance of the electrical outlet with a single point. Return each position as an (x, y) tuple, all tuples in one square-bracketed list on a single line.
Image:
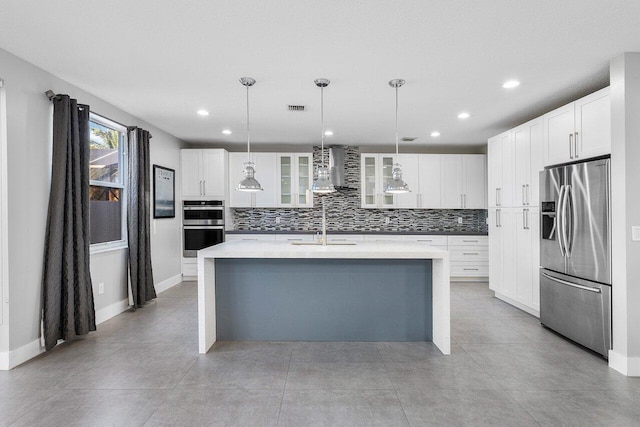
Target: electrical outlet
[(101, 288), (387, 220), (459, 220), (277, 220)]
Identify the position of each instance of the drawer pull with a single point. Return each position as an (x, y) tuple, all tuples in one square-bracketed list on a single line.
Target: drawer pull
[(470, 253), (470, 269), (425, 240), (470, 241), (293, 240), (248, 239)]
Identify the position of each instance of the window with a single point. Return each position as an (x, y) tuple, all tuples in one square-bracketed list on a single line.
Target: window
[(107, 173)]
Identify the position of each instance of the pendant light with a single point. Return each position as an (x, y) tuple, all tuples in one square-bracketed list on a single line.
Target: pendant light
[(249, 183), (323, 184), (396, 185)]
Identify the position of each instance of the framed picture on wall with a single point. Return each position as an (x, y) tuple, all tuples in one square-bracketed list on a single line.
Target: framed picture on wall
[(164, 192)]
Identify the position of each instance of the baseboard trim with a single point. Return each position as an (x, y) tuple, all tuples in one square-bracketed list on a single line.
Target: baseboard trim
[(518, 305), (111, 310), (629, 366), (169, 283), (13, 358)]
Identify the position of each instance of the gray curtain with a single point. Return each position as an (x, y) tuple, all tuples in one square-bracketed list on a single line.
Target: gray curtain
[(68, 309), (138, 218)]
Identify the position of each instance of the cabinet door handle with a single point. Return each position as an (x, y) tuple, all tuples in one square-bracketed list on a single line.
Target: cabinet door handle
[(528, 193), (524, 219), (575, 141), (418, 200), (497, 199), (465, 201), (461, 201), (571, 146), (524, 197), (204, 188), (498, 212)]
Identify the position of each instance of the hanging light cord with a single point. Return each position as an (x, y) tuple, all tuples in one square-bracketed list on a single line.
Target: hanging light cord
[(396, 124), (248, 130), (322, 121)]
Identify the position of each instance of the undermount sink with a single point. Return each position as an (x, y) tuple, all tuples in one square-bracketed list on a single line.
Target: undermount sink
[(320, 243)]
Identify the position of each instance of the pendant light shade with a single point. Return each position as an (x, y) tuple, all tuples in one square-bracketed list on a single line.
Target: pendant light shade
[(249, 183), (396, 184), (323, 184)]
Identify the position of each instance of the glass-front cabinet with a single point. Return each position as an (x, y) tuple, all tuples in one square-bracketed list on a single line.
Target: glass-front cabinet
[(295, 171), (376, 171)]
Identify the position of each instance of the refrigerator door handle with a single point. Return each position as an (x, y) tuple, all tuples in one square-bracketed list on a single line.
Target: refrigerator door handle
[(564, 282), (559, 220), (568, 231)]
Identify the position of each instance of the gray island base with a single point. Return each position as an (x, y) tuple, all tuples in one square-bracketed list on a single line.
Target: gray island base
[(275, 291)]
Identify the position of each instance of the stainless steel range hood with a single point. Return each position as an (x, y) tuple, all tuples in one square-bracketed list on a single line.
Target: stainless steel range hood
[(337, 166)]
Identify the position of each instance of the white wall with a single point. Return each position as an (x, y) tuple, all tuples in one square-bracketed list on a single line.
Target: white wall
[(625, 206), (29, 156)]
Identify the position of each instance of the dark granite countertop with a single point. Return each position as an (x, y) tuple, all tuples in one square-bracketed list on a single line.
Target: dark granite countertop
[(441, 232)]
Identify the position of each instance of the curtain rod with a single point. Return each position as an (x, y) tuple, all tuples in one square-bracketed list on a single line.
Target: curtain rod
[(51, 94)]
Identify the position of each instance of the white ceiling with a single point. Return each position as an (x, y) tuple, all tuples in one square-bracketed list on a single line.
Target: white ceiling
[(162, 60)]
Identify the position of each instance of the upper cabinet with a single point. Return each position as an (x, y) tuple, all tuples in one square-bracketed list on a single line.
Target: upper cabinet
[(436, 181), (579, 130), (285, 179), (375, 172), (295, 173), (265, 166), (527, 150), (463, 178), (500, 170), (204, 173)]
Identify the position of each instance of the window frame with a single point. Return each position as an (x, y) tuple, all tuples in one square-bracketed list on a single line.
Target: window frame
[(123, 243)]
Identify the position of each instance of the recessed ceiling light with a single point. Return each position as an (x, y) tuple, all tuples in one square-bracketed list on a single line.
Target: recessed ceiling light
[(328, 133), (510, 84), (203, 113), (435, 134), (463, 115), (226, 132)]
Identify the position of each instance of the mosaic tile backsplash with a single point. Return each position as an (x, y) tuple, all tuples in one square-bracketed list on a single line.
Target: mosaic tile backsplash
[(345, 214)]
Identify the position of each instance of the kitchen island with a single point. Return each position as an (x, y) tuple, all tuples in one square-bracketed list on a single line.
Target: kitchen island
[(370, 291)]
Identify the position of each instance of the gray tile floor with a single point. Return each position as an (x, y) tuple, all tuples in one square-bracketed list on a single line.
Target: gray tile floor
[(142, 368)]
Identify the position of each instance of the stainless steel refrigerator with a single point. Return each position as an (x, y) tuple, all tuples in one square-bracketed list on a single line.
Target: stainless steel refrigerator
[(575, 253)]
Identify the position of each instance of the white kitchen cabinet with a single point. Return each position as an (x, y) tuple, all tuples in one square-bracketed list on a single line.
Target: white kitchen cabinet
[(514, 256), (500, 171), (295, 176), (469, 256), (463, 181), (527, 164), (579, 130), (411, 175), (204, 173), (382, 237), (495, 249), (266, 174), (376, 170), (429, 183)]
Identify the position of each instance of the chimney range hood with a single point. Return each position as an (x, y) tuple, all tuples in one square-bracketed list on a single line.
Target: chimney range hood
[(337, 167)]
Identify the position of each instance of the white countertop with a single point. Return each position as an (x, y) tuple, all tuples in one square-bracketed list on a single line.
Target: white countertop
[(361, 250)]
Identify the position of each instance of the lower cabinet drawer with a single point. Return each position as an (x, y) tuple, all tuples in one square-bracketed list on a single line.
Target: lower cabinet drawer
[(468, 254), (190, 269), (469, 270)]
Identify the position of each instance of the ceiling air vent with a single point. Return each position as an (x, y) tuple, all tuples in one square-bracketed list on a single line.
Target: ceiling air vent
[(409, 138), (295, 107)]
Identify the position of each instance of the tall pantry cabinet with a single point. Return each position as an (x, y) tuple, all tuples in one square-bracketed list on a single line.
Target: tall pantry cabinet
[(515, 161)]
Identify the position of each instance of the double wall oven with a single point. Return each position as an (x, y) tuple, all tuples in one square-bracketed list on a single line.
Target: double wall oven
[(202, 225)]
